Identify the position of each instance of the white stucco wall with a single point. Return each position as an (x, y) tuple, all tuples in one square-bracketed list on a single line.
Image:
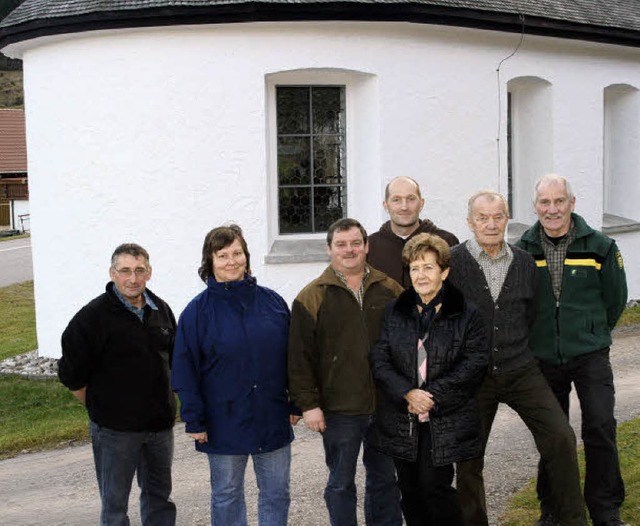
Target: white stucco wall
[(158, 135)]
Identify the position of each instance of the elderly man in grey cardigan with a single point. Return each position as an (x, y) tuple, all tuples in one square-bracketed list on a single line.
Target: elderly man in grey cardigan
[(500, 279)]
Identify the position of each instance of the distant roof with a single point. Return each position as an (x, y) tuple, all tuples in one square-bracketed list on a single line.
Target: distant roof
[(611, 21), (13, 143)]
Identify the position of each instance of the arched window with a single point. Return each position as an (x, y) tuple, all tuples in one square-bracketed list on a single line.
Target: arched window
[(621, 159), (530, 141)]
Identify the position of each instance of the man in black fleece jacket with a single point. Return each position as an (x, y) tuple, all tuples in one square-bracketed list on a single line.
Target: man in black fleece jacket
[(500, 280), (403, 202), (116, 353)]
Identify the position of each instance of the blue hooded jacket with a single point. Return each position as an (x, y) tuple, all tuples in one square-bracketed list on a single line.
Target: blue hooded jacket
[(230, 368)]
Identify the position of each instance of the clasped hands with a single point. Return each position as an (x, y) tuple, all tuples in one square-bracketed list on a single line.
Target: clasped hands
[(419, 401)]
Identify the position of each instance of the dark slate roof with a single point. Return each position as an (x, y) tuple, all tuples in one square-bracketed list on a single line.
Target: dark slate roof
[(612, 21)]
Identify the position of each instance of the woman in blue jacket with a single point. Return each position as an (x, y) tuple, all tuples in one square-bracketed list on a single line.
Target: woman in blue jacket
[(230, 372)]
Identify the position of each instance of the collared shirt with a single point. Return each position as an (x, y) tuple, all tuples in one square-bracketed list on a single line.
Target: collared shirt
[(138, 312), (555, 254), (494, 269), (359, 294)]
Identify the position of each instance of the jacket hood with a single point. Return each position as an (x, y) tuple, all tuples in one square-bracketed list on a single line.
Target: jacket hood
[(452, 301), (385, 229)]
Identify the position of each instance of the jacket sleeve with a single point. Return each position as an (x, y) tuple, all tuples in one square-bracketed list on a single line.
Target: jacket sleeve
[(293, 409), (82, 342), (614, 285), (304, 387), (454, 389), (392, 383), (185, 371)]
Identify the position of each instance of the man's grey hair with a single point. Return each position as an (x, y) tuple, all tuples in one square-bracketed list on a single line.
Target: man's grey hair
[(131, 249), (552, 178), (491, 195)]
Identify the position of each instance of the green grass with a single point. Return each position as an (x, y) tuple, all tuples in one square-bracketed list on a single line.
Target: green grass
[(11, 90), (17, 320), (17, 236), (523, 509), (38, 414), (630, 316)]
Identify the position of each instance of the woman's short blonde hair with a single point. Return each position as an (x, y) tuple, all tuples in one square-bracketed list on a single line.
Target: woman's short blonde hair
[(419, 245)]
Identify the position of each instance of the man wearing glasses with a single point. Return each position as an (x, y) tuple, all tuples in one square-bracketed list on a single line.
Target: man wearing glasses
[(116, 353)]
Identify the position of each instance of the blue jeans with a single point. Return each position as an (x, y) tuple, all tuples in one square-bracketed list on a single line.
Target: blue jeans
[(342, 440), (118, 455), (272, 471)]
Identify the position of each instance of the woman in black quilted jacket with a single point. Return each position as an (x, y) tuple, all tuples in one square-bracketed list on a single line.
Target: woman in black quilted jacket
[(428, 363)]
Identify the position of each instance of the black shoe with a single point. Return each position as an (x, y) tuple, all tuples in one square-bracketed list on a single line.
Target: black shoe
[(614, 522), (547, 519)]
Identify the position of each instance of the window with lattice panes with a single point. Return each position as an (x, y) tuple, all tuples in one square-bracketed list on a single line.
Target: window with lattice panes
[(312, 183)]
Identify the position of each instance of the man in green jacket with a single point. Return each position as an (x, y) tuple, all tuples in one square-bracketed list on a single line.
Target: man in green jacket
[(335, 319), (582, 291)]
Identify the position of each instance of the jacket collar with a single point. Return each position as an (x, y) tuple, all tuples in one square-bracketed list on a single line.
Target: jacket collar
[(582, 229), (385, 229), (117, 303), (452, 301), (328, 277), (238, 288)]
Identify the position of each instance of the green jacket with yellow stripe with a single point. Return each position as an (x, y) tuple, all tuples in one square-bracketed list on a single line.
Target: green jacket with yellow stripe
[(593, 295)]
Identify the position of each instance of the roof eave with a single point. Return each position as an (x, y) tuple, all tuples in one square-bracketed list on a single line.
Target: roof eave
[(336, 11)]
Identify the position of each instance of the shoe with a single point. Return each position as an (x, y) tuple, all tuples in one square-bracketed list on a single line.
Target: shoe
[(614, 522), (547, 519)]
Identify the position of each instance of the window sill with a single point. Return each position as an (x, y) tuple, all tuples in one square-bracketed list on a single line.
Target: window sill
[(616, 225), (297, 251)]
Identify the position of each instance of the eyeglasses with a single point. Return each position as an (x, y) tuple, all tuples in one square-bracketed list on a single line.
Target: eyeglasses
[(128, 272)]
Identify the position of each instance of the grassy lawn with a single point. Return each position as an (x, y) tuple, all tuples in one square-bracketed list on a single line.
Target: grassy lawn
[(523, 509), (630, 316), (17, 320), (38, 414), (18, 236)]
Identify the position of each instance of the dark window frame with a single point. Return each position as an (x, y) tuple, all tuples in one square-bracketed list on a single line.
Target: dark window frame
[(326, 193)]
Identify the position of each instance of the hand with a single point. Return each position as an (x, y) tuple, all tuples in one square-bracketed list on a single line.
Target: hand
[(314, 419), (200, 438), (419, 401), (81, 394), (294, 419)]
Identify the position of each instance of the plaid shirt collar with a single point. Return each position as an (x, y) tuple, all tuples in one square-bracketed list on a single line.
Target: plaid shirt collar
[(494, 269), (138, 312), (555, 254), (359, 294)]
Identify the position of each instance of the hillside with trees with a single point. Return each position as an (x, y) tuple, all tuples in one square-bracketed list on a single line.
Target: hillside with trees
[(11, 90)]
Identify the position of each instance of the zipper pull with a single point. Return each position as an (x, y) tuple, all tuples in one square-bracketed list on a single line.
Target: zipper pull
[(410, 425)]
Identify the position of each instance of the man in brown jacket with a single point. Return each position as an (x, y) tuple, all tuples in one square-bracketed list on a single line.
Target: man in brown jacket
[(334, 321), (403, 202)]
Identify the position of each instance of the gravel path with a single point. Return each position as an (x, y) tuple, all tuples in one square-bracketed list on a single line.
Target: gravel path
[(58, 487)]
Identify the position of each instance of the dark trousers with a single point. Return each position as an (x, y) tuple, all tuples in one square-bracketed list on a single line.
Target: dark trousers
[(342, 439), (593, 379), (528, 394), (118, 456), (428, 497)]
